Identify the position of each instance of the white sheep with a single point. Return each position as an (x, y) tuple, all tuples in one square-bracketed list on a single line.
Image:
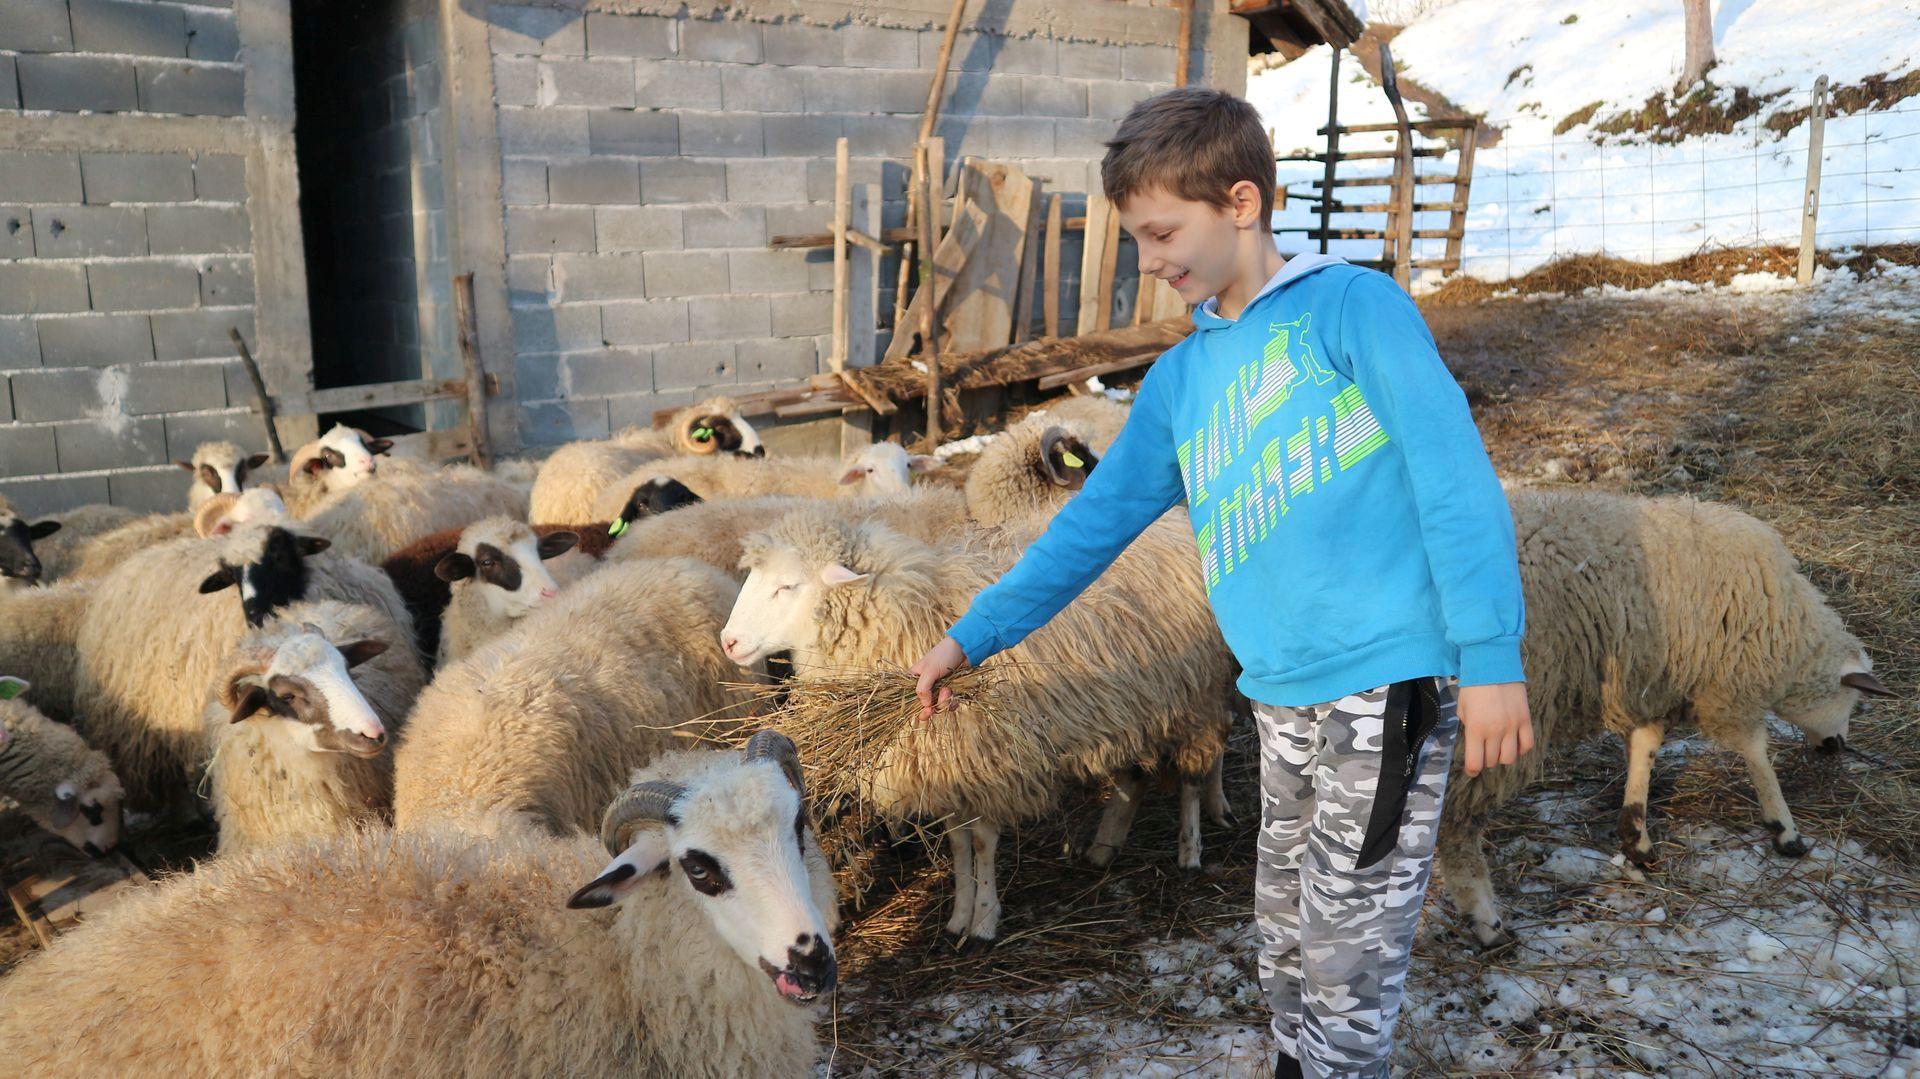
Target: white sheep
[(548, 719), (54, 777), (219, 468), (883, 468), (571, 480), (39, 630), (1032, 468), (379, 516), (428, 953), (337, 461), (415, 572), (496, 575), (298, 720), (1133, 671), (1642, 613)]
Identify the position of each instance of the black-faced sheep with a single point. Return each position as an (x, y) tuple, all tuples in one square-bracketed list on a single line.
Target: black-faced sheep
[(54, 777), (20, 566), (571, 480)]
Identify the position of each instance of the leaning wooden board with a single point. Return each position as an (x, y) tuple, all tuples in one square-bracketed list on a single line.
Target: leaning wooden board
[(70, 886)]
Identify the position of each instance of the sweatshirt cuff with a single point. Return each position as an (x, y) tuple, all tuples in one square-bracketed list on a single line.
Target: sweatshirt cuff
[(976, 637), (1491, 662)]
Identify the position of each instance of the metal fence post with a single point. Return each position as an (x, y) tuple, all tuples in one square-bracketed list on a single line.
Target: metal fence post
[(1810, 208)]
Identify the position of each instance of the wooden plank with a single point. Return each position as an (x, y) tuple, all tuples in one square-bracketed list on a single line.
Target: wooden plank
[(1080, 374), (842, 267), (68, 887), (1368, 155), (1333, 207), (479, 449), (1092, 257), (948, 258), (1109, 268), (1422, 126), (930, 312), (979, 313), (1029, 269), (1462, 185), (1425, 179), (1401, 221), (1333, 143), (1810, 201), (1183, 45), (1372, 234), (1050, 299), (373, 395)]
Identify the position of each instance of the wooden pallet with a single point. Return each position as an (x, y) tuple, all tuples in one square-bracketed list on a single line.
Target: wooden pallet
[(68, 887)]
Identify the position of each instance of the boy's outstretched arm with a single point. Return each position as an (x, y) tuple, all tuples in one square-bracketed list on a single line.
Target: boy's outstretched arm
[(1465, 521), (1137, 481)]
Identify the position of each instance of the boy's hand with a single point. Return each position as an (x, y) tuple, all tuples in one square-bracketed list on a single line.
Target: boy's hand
[(941, 660), (1495, 726)]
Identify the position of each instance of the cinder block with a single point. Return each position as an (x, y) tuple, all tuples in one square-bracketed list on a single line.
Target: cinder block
[(769, 271), (50, 496), (19, 345), (198, 230), (889, 175), (730, 225), (6, 399), (679, 367), (34, 177), (130, 29), (594, 181), (978, 93), (880, 46), (81, 232), (794, 43), (199, 335), (9, 84), (975, 51), (529, 280), (16, 232), (633, 134), (678, 84), (543, 133), (1043, 95), (516, 81), (685, 273), (551, 423), (756, 88), (149, 490), (185, 432), (556, 328), (154, 388), (115, 442), (1082, 138), (95, 340), (64, 394), (538, 376), (1020, 137), (537, 31), (598, 277), (764, 180), (679, 180), (647, 322), (736, 42), (798, 219), (801, 136), (211, 35), (77, 83), (33, 288), (802, 314), (638, 228), (882, 136), (218, 178), (1081, 60), (777, 359), (728, 318), (142, 286), (637, 409), (1148, 63), (226, 282), (137, 177), (543, 230), (608, 371), (523, 182), (629, 35), (192, 89), (1112, 100), (28, 451), (35, 26), (587, 83), (719, 134), (900, 92), (831, 90)]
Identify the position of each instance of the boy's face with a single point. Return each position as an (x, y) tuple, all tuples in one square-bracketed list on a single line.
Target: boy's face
[(1190, 245)]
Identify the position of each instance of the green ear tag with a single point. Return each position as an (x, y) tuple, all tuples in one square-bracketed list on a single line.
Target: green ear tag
[(701, 434), (11, 688), (1071, 460), (618, 527)]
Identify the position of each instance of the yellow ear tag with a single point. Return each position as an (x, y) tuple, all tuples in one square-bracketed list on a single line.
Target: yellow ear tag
[(618, 527), (1071, 460)]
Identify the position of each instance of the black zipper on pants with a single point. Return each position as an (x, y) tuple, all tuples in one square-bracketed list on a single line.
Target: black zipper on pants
[(1412, 713)]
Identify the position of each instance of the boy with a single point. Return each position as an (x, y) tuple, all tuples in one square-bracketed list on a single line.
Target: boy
[(1357, 551)]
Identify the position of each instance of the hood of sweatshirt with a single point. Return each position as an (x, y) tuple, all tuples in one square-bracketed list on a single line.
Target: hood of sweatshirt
[(1207, 316)]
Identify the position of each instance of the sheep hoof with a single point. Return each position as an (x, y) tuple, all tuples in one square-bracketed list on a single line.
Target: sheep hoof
[(1642, 858), (1222, 817), (1493, 936), (1100, 855), (1792, 848), (973, 946)]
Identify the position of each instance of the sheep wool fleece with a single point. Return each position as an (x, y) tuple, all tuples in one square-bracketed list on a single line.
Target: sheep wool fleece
[(1350, 798)]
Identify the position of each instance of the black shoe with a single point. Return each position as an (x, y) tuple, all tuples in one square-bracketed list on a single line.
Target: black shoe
[(1285, 1067)]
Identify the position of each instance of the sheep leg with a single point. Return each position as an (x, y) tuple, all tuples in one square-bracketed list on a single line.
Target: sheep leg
[(1218, 808), (1463, 869), (960, 842), (1773, 805), (1117, 819), (1642, 743), (986, 893), (1190, 822)]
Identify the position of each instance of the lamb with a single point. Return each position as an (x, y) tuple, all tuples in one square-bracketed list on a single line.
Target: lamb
[(20, 566), (377, 517), (881, 469), (1640, 613), (571, 480), (297, 743), (1134, 671), (1032, 468), (337, 461), (548, 719), (151, 641), (50, 772), (219, 468), (720, 942), (496, 576), (414, 570)]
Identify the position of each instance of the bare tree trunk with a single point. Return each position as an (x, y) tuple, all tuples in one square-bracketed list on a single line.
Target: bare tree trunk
[(1699, 44)]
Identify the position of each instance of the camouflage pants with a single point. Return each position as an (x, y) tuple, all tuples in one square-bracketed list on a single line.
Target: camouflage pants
[(1344, 861)]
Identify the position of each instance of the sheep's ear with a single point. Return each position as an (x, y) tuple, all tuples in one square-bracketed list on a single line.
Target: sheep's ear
[(309, 546), (225, 577), (66, 805), (921, 462), (647, 856), (359, 652), (11, 687), (1866, 683), (378, 446), (255, 700), (853, 476), (555, 544), (211, 477), (315, 465), (42, 529), (257, 460), (187, 465), (834, 575), (454, 566)]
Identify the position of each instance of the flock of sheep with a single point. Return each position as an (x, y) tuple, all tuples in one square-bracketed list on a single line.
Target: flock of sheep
[(410, 697)]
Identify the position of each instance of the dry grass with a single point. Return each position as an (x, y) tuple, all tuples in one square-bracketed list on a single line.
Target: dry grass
[(1575, 273)]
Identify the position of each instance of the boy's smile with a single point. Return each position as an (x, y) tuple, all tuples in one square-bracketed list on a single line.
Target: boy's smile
[(1203, 250)]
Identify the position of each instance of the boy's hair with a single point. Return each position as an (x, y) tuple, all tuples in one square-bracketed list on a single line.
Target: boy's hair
[(1193, 142)]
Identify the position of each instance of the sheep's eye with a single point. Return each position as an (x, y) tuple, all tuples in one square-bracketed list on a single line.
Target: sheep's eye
[(704, 873)]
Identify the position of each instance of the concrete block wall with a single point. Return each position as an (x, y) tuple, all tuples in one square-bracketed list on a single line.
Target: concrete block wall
[(113, 56), (648, 158)]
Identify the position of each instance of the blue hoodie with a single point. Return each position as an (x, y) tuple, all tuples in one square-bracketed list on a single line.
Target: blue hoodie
[(1350, 527)]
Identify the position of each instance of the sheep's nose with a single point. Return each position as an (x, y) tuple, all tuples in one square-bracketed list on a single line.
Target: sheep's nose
[(548, 593), (729, 642), (1832, 743), (814, 967), (379, 739), (758, 451)]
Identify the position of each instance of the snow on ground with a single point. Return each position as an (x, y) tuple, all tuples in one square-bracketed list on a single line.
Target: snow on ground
[(1889, 291), (1538, 195)]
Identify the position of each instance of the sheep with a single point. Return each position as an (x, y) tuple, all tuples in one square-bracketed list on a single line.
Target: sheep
[(426, 953), (1097, 417), (496, 576), (297, 744), (570, 481), (881, 469), (1032, 468), (547, 719), (20, 566), (39, 630), (219, 468), (1133, 671), (377, 517), (337, 461), (50, 772), (223, 513), (414, 570), (152, 638), (1641, 613)]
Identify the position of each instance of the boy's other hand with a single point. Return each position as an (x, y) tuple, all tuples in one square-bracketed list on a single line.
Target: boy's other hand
[(1495, 726), (941, 660)]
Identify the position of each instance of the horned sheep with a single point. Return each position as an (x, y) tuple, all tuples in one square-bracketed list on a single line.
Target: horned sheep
[(707, 968), (571, 480), (1032, 468), (52, 775)]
